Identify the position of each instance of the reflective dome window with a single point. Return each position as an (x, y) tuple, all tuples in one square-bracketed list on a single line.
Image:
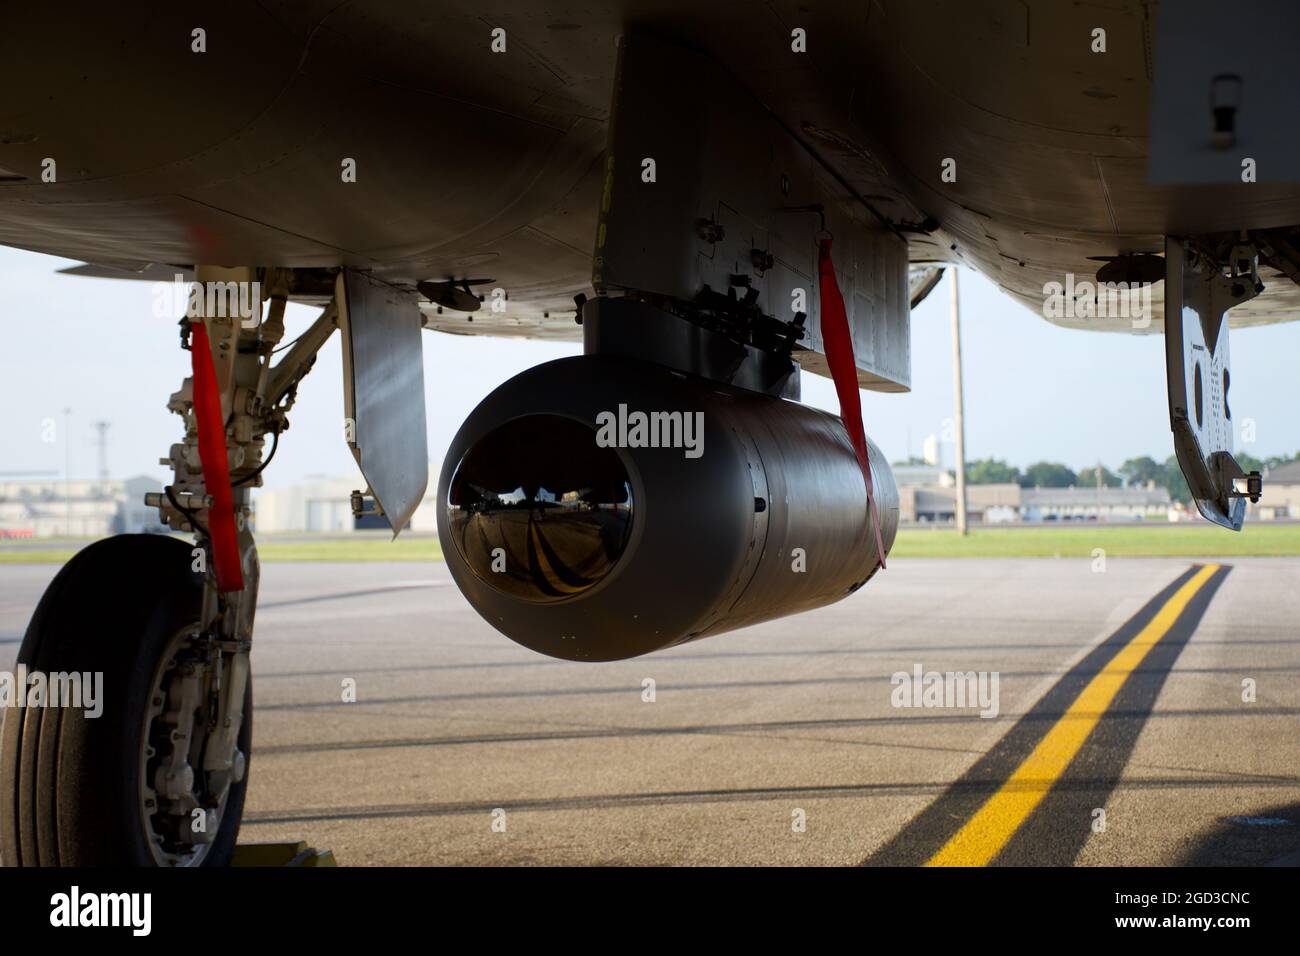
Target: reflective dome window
[(538, 510)]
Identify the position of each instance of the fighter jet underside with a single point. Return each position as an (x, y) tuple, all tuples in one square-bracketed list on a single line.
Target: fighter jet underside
[(713, 198)]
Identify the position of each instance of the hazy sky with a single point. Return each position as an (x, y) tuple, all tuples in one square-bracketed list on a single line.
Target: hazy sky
[(1033, 390)]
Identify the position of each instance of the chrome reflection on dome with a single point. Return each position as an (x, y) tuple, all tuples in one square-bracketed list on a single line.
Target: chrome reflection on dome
[(538, 510)]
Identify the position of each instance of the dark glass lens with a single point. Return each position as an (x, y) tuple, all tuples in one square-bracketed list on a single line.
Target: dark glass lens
[(538, 510)]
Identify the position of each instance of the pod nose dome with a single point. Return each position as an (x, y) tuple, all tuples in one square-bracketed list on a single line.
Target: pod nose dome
[(538, 510)]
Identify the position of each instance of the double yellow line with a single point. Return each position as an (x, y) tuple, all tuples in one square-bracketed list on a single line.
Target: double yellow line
[(987, 832)]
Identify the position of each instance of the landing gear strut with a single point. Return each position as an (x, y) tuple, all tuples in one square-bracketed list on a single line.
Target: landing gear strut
[(1203, 281), (158, 777)]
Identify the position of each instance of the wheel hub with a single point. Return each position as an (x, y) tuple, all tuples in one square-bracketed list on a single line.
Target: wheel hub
[(182, 804)]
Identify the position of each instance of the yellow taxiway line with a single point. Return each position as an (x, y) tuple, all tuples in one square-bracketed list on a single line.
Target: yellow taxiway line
[(987, 832)]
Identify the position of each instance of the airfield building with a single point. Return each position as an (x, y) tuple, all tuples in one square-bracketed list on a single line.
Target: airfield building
[(79, 508)]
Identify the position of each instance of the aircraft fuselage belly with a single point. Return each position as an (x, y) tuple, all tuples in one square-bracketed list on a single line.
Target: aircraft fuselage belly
[(392, 136)]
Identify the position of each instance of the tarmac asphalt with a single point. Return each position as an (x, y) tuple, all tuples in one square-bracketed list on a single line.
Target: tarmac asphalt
[(1146, 714)]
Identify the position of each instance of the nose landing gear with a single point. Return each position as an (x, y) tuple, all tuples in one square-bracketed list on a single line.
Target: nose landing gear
[(156, 773)]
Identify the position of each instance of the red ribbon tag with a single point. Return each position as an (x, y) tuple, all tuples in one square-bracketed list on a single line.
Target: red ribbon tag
[(844, 372), (216, 467)]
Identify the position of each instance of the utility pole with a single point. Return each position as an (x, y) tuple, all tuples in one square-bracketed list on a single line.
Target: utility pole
[(1099, 467), (959, 425), (102, 429), (67, 472)]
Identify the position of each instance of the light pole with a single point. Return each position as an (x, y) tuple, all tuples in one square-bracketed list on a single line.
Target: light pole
[(67, 472), (959, 424), (101, 429)]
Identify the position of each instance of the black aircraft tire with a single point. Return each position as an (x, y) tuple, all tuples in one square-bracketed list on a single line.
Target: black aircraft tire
[(69, 784)]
